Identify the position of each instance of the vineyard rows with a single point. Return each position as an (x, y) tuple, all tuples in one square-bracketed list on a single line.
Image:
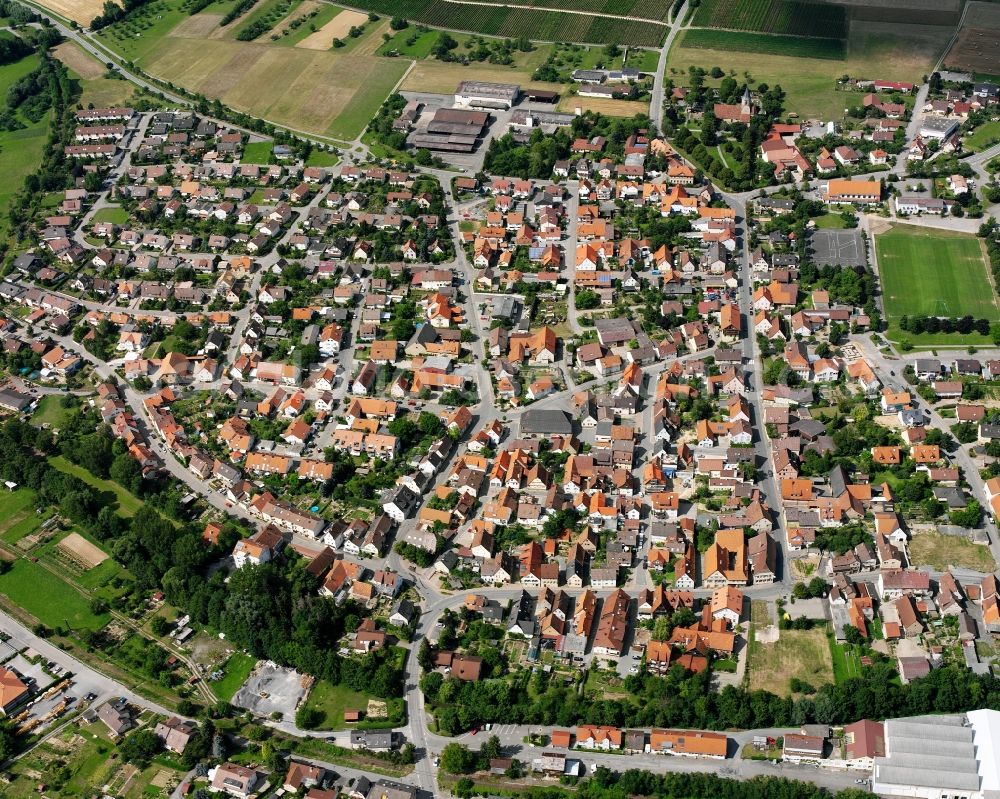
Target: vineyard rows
[(793, 17), (515, 22), (796, 46)]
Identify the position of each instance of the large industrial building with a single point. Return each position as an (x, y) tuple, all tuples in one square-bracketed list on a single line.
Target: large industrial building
[(941, 757), (479, 94), (452, 129)]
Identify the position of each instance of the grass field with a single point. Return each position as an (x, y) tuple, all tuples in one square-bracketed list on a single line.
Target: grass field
[(896, 51), (983, 137), (941, 551), (127, 502), (322, 158), (20, 150), (256, 152), (846, 661), (430, 75), (236, 669), (50, 411), (933, 273), (773, 16), (830, 222), (644, 60), (332, 701), (114, 214), (47, 598), (17, 515), (804, 654)]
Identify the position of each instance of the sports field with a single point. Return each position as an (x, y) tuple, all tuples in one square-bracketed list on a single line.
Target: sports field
[(933, 273)]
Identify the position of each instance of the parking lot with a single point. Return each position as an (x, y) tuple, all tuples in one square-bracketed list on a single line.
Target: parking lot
[(271, 689), (837, 247)]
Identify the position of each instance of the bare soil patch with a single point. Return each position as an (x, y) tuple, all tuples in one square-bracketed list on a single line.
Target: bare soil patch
[(82, 551), (78, 61)]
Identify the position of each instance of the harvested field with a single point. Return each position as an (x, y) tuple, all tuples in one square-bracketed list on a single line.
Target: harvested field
[(82, 11), (336, 28), (440, 77), (305, 89), (976, 49), (82, 551), (78, 61), (197, 26), (614, 108)]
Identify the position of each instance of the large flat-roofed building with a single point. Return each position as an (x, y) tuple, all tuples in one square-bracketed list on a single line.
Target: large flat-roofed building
[(452, 129), (937, 127), (480, 94), (941, 757)]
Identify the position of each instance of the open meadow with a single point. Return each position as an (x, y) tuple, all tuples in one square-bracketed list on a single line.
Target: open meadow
[(802, 654), (934, 273), (940, 551)]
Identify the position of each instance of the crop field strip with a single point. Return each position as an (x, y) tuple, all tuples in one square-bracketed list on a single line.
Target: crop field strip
[(791, 17), (765, 43), (515, 21)]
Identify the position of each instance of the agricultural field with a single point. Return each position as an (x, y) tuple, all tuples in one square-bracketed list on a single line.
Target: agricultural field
[(431, 75), (793, 17), (547, 26), (975, 48), (96, 89), (82, 11), (940, 551), (896, 51), (327, 92), (933, 273), (764, 43), (601, 105)]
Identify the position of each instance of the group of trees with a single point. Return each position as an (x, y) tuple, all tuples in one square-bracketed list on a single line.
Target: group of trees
[(273, 611), (535, 159), (944, 324), (686, 700), (113, 12)]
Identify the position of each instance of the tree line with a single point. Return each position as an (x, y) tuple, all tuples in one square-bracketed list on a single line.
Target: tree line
[(687, 700), (945, 324)]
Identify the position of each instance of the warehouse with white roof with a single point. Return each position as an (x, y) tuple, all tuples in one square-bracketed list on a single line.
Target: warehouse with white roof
[(941, 757)]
